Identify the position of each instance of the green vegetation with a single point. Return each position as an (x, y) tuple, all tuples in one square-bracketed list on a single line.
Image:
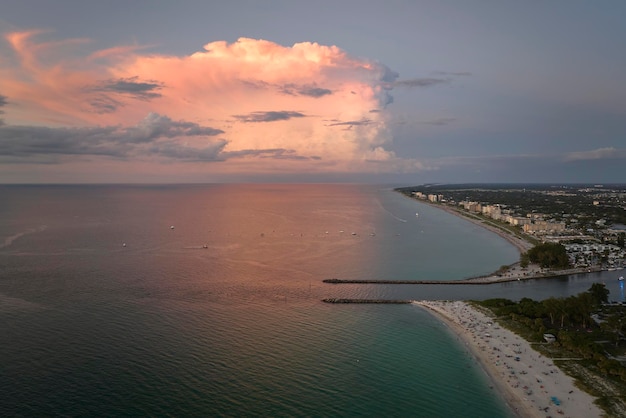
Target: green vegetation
[(547, 255), (524, 260), (585, 327)]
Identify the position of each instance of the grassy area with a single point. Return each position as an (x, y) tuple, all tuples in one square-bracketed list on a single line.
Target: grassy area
[(610, 390)]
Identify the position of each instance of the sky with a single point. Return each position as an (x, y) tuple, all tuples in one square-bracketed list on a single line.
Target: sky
[(405, 92)]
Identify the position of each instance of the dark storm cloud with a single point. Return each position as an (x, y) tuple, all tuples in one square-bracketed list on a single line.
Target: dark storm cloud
[(421, 82), (152, 136), (361, 122), (273, 153), (105, 104), (176, 151), (132, 87), (109, 93), (24, 141), (299, 90), (314, 92), (292, 89), (156, 126), (388, 75), (271, 116)]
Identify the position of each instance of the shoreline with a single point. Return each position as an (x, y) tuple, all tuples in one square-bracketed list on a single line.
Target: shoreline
[(524, 379), (521, 244), (515, 272)]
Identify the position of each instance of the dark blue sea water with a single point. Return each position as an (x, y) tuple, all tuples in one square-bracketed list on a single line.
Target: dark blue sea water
[(166, 327)]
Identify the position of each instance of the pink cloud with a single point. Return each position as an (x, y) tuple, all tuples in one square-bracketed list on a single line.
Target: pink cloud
[(262, 95)]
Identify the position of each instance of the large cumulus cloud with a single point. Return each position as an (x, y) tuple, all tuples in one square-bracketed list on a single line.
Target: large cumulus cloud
[(264, 101)]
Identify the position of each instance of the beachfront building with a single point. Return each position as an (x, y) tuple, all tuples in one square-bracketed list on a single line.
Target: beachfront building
[(539, 227), (472, 206), (519, 221), (492, 211), (435, 198)]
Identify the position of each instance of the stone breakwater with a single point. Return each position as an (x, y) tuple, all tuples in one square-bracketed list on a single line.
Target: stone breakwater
[(518, 275), (389, 301), (344, 281)]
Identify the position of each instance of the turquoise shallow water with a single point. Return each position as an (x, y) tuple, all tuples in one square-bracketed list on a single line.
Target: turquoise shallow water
[(166, 327)]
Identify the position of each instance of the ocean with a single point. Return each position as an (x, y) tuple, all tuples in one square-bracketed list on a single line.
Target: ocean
[(205, 300)]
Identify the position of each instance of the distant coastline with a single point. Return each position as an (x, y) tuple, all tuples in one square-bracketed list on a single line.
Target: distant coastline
[(514, 271), (521, 244), (530, 383)]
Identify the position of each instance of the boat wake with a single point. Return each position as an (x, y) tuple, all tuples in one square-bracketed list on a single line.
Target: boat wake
[(390, 213), (11, 304), (9, 240)]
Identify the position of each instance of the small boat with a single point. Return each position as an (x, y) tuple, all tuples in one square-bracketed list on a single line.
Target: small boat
[(417, 214), (172, 227), (621, 278), (124, 245)]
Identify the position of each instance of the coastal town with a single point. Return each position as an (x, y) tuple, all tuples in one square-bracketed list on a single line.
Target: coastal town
[(588, 220), (566, 344)]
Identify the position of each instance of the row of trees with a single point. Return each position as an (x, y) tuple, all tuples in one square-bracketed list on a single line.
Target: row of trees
[(569, 319), (558, 312)]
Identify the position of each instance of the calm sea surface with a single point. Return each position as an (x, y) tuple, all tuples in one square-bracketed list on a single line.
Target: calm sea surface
[(105, 309)]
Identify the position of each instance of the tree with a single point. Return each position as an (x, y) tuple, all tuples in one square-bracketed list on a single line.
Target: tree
[(600, 293), (549, 255), (562, 307), (523, 260), (529, 308), (551, 307), (582, 307)]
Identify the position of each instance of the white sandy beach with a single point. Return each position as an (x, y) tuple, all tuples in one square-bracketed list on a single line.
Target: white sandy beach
[(527, 380)]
